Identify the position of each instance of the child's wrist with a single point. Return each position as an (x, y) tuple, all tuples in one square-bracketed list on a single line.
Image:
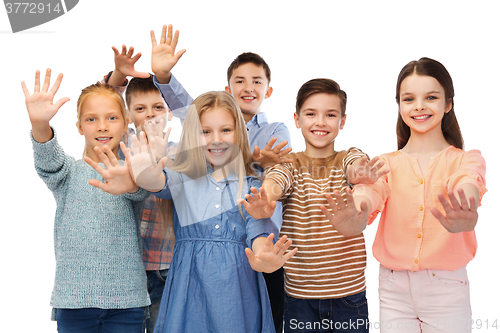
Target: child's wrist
[(163, 78)]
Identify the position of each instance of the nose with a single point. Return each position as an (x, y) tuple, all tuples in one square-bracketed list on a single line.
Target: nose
[(320, 121), (216, 138), (249, 87), (420, 105), (102, 126), (149, 113)]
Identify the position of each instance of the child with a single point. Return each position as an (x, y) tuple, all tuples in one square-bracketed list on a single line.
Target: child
[(144, 103), (249, 78), (422, 248), (211, 286), (325, 281), (100, 281)]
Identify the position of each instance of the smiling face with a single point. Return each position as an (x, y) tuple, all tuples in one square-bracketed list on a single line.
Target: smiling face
[(218, 136), (423, 104), (145, 106), (249, 86), (320, 120), (101, 123)]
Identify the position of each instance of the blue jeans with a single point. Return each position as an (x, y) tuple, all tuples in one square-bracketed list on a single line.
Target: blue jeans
[(156, 284), (94, 320), (346, 314)]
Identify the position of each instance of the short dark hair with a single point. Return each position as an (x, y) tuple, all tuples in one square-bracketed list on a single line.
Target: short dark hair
[(318, 86), (139, 85), (449, 125), (249, 57)]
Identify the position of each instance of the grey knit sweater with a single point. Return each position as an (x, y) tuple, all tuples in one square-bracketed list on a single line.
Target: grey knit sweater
[(96, 236)]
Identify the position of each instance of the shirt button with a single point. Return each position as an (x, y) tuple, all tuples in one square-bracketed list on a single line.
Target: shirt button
[(415, 261), (421, 181), (421, 208), (216, 206), (419, 236), (217, 226), (217, 188)]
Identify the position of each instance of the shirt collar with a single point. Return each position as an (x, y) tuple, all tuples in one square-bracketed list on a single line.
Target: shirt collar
[(231, 177), (259, 119)]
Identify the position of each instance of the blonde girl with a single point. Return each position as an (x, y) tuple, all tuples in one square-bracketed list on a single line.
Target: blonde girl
[(100, 282), (214, 283)]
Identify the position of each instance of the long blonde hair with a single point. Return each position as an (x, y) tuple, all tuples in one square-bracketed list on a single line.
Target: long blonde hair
[(99, 89)]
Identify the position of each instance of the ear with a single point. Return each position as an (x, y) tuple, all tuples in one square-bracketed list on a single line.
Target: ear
[(79, 126), (342, 122), (125, 124), (296, 118), (449, 105), (269, 92), (228, 89)]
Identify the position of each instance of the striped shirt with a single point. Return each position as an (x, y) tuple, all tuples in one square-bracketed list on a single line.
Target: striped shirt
[(327, 265)]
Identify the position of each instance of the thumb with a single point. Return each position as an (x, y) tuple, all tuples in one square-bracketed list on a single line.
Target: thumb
[(179, 55), (61, 102), (251, 256)]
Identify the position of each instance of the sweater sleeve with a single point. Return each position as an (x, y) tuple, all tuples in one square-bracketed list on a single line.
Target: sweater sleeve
[(282, 174), (51, 163)]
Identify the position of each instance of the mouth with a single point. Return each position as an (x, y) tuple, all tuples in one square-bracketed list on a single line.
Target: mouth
[(217, 152), (422, 117), (320, 133), (104, 139), (248, 98)]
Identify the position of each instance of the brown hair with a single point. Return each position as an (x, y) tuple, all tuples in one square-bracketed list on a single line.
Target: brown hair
[(449, 124), (318, 86), (99, 89), (249, 57), (139, 85)]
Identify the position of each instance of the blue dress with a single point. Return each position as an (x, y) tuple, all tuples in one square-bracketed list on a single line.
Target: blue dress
[(210, 285)]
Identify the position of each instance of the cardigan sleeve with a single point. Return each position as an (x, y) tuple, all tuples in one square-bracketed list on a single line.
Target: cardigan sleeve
[(472, 170)]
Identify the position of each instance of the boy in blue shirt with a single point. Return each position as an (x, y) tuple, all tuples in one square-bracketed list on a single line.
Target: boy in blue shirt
[(248, 79)]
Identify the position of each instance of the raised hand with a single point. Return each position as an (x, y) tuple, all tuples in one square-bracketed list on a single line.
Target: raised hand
[(346, 218), (270, 156), (460, 215), (40, 105), (118, 179), (142, 165), (257, 204), (163, 56), (366, 172), (125, 62), (268, 257)]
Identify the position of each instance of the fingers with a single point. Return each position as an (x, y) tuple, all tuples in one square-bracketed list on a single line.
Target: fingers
[(164, 35), (57, 84), (25, 89), (37, 82), (153, 38), (173, 44), (94, 165), (168, 40), (98, 184), (46, 81)]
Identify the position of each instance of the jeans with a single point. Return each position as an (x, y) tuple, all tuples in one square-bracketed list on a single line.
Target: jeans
[(346, 314), (92, 320), (276, 289), (428, 301), (156, 284)]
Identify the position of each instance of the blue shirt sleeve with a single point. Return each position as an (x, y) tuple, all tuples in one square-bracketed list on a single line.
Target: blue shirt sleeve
[(176, 97)]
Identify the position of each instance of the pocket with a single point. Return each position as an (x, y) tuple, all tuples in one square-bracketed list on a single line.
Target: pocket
[(456, 278), (357, 301), (385, 273)]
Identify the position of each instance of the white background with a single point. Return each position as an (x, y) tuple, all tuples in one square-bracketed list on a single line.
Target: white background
[(360, 44)]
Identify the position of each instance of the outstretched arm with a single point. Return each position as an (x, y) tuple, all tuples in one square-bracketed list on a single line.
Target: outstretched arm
[(460, 214), (163, 56), (349, 218), (40, 106), (268, 257), (363, 171)]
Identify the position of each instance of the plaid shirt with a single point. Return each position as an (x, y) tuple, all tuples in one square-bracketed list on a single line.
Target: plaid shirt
[(157, 243)]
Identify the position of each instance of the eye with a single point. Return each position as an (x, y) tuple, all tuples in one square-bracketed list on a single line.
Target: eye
[(139, 109), (113, 118), (257, 82), (332, 115), (160, 107), (408, 99), (432, 98), (90, 120), (310, 114), (205, 132), (226, 130), (238, 81)]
